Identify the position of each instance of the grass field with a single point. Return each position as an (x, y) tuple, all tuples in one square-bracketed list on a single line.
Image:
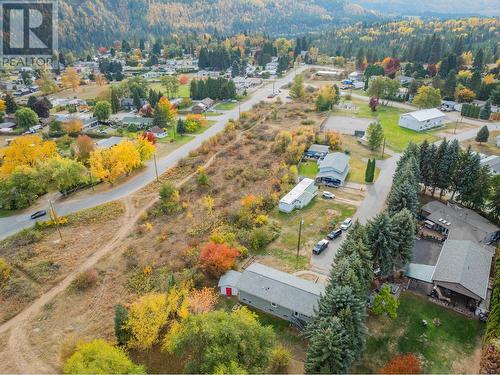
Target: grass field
[(183, 91), (397, 137), (308, 169), (358, 170), (444, 348), (225, 106), (319, 218), (488, 148)]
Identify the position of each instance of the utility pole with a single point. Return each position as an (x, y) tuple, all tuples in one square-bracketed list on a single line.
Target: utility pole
[(239, 110), (455, 130), (156, 168), (91, 180), (55, 218), (383, 148), (298, 242)]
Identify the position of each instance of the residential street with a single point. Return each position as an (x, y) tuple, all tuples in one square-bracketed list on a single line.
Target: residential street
[(375, 199), (13, 224)]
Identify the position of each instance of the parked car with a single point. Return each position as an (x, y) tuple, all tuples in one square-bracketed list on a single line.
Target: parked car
[(328, 195), (334, 234), (320, 247), (346, 224), (38, 214)]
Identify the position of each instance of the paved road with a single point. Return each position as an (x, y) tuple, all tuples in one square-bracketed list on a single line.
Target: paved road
[(12, 224), (376, 197)]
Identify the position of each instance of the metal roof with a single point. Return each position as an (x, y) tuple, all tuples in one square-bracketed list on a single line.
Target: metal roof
[(302, 187), (466, 264), (109, 142), (338, 161), (422, 272), (425, 114), (230, 278), (278, 287), (319, 148)]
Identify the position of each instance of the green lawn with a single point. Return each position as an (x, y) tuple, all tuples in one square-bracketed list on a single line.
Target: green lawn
[(309, 169), (358, 170), (440, 346), (319, 218), (182, 92), (397, 137), (225, 106)]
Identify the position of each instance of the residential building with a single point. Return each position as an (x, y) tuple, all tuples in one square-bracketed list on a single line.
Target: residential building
[(333, 169), (7, 127), (422, 120), (274, 292), (202, 106), (493, 162), (299, 197), (109, 142), (317, 152), (356, 76), (159, 132), (140, 122)]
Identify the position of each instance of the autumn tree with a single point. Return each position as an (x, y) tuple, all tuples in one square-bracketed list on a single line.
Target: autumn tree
[(21, 187), (297, 89), (70, 79), (169, 198), (385, 303), (100, 357), (333, 139), (402, 364), (171, 85), (151, 313), (99, 79), (427, 97), (46, 82), (73, 126), (168, 110), (145, 148), (84, 147), (63, 173), (27, 150), (183, 79), (217, 258), (464, 95), (202, 300)]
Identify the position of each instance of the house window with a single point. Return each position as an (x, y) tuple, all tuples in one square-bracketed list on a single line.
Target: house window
[(274, 305), (296, 314)]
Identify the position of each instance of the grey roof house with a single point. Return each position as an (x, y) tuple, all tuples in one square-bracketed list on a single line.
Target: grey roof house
[(108, 142), (333, 169), (464, 267), (274, 292)]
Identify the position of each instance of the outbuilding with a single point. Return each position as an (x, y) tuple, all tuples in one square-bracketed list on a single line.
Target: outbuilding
[(300, 196), (159, 132), (422, 120), (228, 283)]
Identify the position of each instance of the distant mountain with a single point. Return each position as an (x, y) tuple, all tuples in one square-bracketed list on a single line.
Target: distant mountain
[(100, 22), (433, 7)]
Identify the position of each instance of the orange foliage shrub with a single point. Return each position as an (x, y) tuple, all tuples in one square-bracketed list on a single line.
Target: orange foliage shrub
[(183, 79), (202, 300), (217, 258), (402, 364)]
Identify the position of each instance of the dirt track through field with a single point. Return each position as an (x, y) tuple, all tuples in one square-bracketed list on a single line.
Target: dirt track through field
[(19, 355)]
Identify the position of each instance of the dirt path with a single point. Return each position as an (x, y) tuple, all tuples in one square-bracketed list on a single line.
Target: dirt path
[(19, 355)]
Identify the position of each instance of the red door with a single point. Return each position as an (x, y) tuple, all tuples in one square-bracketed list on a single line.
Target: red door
[(229, 292)]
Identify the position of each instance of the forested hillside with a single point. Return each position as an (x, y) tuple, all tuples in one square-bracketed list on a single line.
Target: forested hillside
[(117, 19)]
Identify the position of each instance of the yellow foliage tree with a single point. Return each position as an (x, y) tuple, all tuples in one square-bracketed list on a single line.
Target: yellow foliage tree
[(127, 154), (105, 166), (333, 139), (99, 79), (2, 105), (25, 150), (74, 125), (145, 148), (467, 58), (168, 109), (70, 79), (151, 313)]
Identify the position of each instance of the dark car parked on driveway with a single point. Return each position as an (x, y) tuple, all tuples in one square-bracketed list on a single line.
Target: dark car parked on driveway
[(334, 234), (38, 214), (320, 247)]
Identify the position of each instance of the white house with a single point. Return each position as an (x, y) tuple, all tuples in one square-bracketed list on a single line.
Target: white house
[(159, 132), (299, 197), (422, 120), (356, 76)]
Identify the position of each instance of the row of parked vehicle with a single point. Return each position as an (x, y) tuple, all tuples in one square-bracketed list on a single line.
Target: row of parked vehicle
[(336, 233)]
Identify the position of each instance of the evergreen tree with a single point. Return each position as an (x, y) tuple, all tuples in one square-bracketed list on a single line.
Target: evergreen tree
[(10, 104), (122, 334), (159, 118), (483, 134), (494, 199), (481, 189), (435, 49), (403, 194), (450, 84), (370, 171), (381, 239), (181, 126), (470, 163), (495, 95), (404, 226), (478, 63), (485, 112), (115, 101), (437, 179), (137, 99), (427, 153)]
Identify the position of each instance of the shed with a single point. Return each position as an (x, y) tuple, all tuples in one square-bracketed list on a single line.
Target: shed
[(228, 283), (333, 169), (299, 197), (422, 120), (159, 132)]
